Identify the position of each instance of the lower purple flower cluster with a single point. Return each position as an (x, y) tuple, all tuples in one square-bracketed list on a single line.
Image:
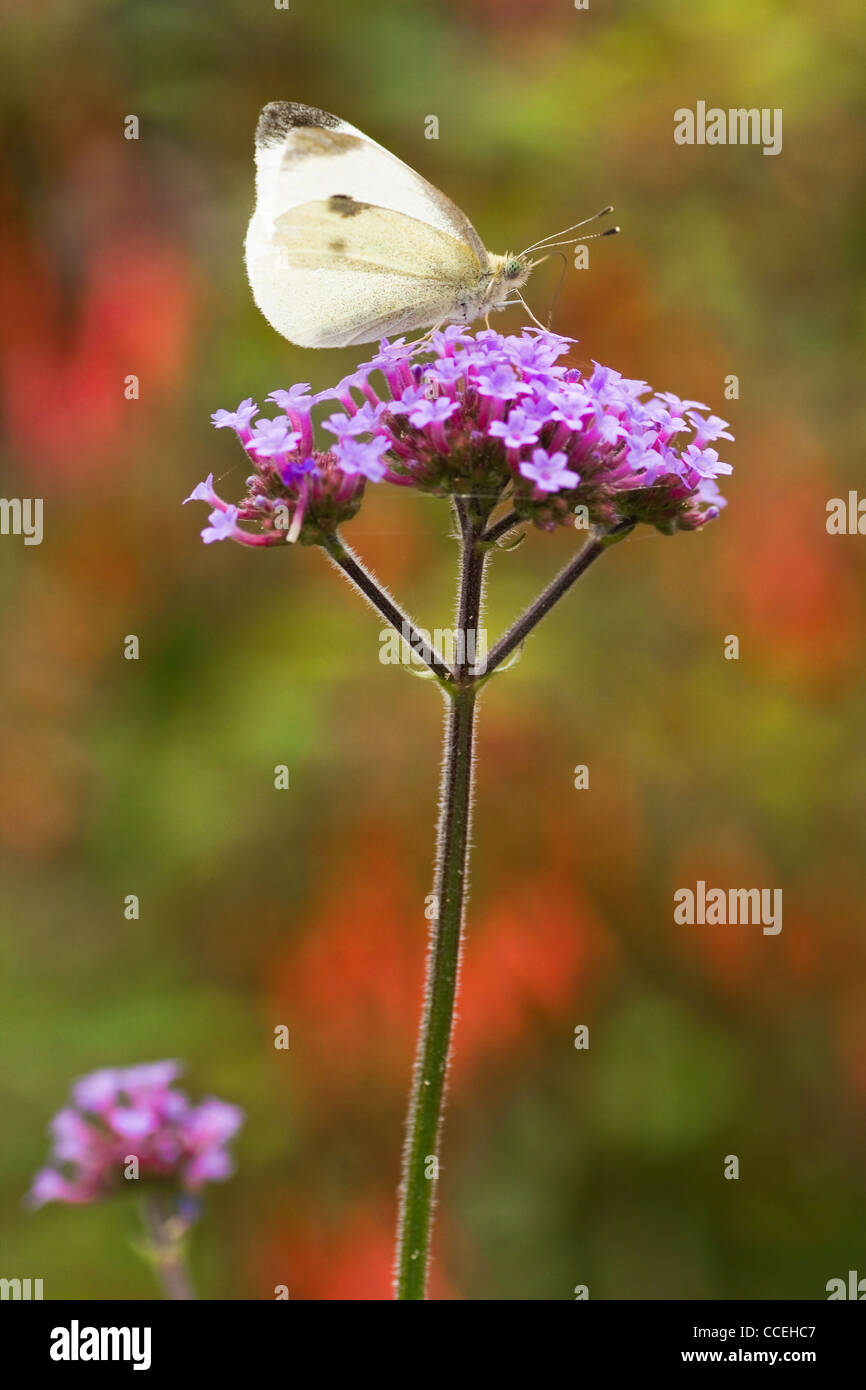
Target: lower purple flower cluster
[(484, 414), (119, 1114)]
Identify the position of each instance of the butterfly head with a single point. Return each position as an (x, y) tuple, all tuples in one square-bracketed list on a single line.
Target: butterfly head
[(509, 273)]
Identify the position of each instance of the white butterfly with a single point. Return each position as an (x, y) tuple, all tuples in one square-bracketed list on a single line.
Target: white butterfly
[(347, 244)]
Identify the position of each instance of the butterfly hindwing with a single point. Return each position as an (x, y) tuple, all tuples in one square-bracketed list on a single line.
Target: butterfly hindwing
[(332, 280), (347, 235)]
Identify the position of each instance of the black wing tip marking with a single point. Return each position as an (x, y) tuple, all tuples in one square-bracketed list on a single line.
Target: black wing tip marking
[(280, 117)]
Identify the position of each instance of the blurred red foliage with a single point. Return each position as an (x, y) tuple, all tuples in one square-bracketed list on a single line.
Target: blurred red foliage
[(352, 1260), (62, 367), (354, 980)]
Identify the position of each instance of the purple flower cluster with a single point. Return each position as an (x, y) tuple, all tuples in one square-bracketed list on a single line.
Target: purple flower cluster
[(498, 417), (115, 1114)]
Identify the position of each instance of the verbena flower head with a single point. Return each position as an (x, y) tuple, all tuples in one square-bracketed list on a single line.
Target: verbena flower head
[(487, 414), (116, 1113)]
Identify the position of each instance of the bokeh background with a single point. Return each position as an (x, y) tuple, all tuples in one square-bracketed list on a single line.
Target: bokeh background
[(305, 907)]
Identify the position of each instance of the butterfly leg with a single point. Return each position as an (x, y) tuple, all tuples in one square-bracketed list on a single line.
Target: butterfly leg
[(427, 337)]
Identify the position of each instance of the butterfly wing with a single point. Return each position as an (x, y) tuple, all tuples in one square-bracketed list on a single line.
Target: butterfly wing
[(347, 242), (342, 272)]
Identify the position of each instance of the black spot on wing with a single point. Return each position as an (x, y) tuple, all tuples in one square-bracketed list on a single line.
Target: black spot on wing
[(279, 117), (345, 206), (337, 246)]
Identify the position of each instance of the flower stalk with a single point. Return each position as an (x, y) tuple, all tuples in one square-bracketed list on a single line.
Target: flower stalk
[(427, 1098), (555, 590), (369, 588), (165, 1249)]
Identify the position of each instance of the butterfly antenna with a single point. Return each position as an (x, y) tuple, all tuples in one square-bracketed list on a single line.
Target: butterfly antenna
[(573, 228), (593, 236)]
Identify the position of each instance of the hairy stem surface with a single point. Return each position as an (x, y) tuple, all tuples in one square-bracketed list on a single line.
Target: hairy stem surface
[(421, 1153)]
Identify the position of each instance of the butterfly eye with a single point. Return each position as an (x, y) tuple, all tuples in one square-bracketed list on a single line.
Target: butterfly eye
[(513, 268)]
